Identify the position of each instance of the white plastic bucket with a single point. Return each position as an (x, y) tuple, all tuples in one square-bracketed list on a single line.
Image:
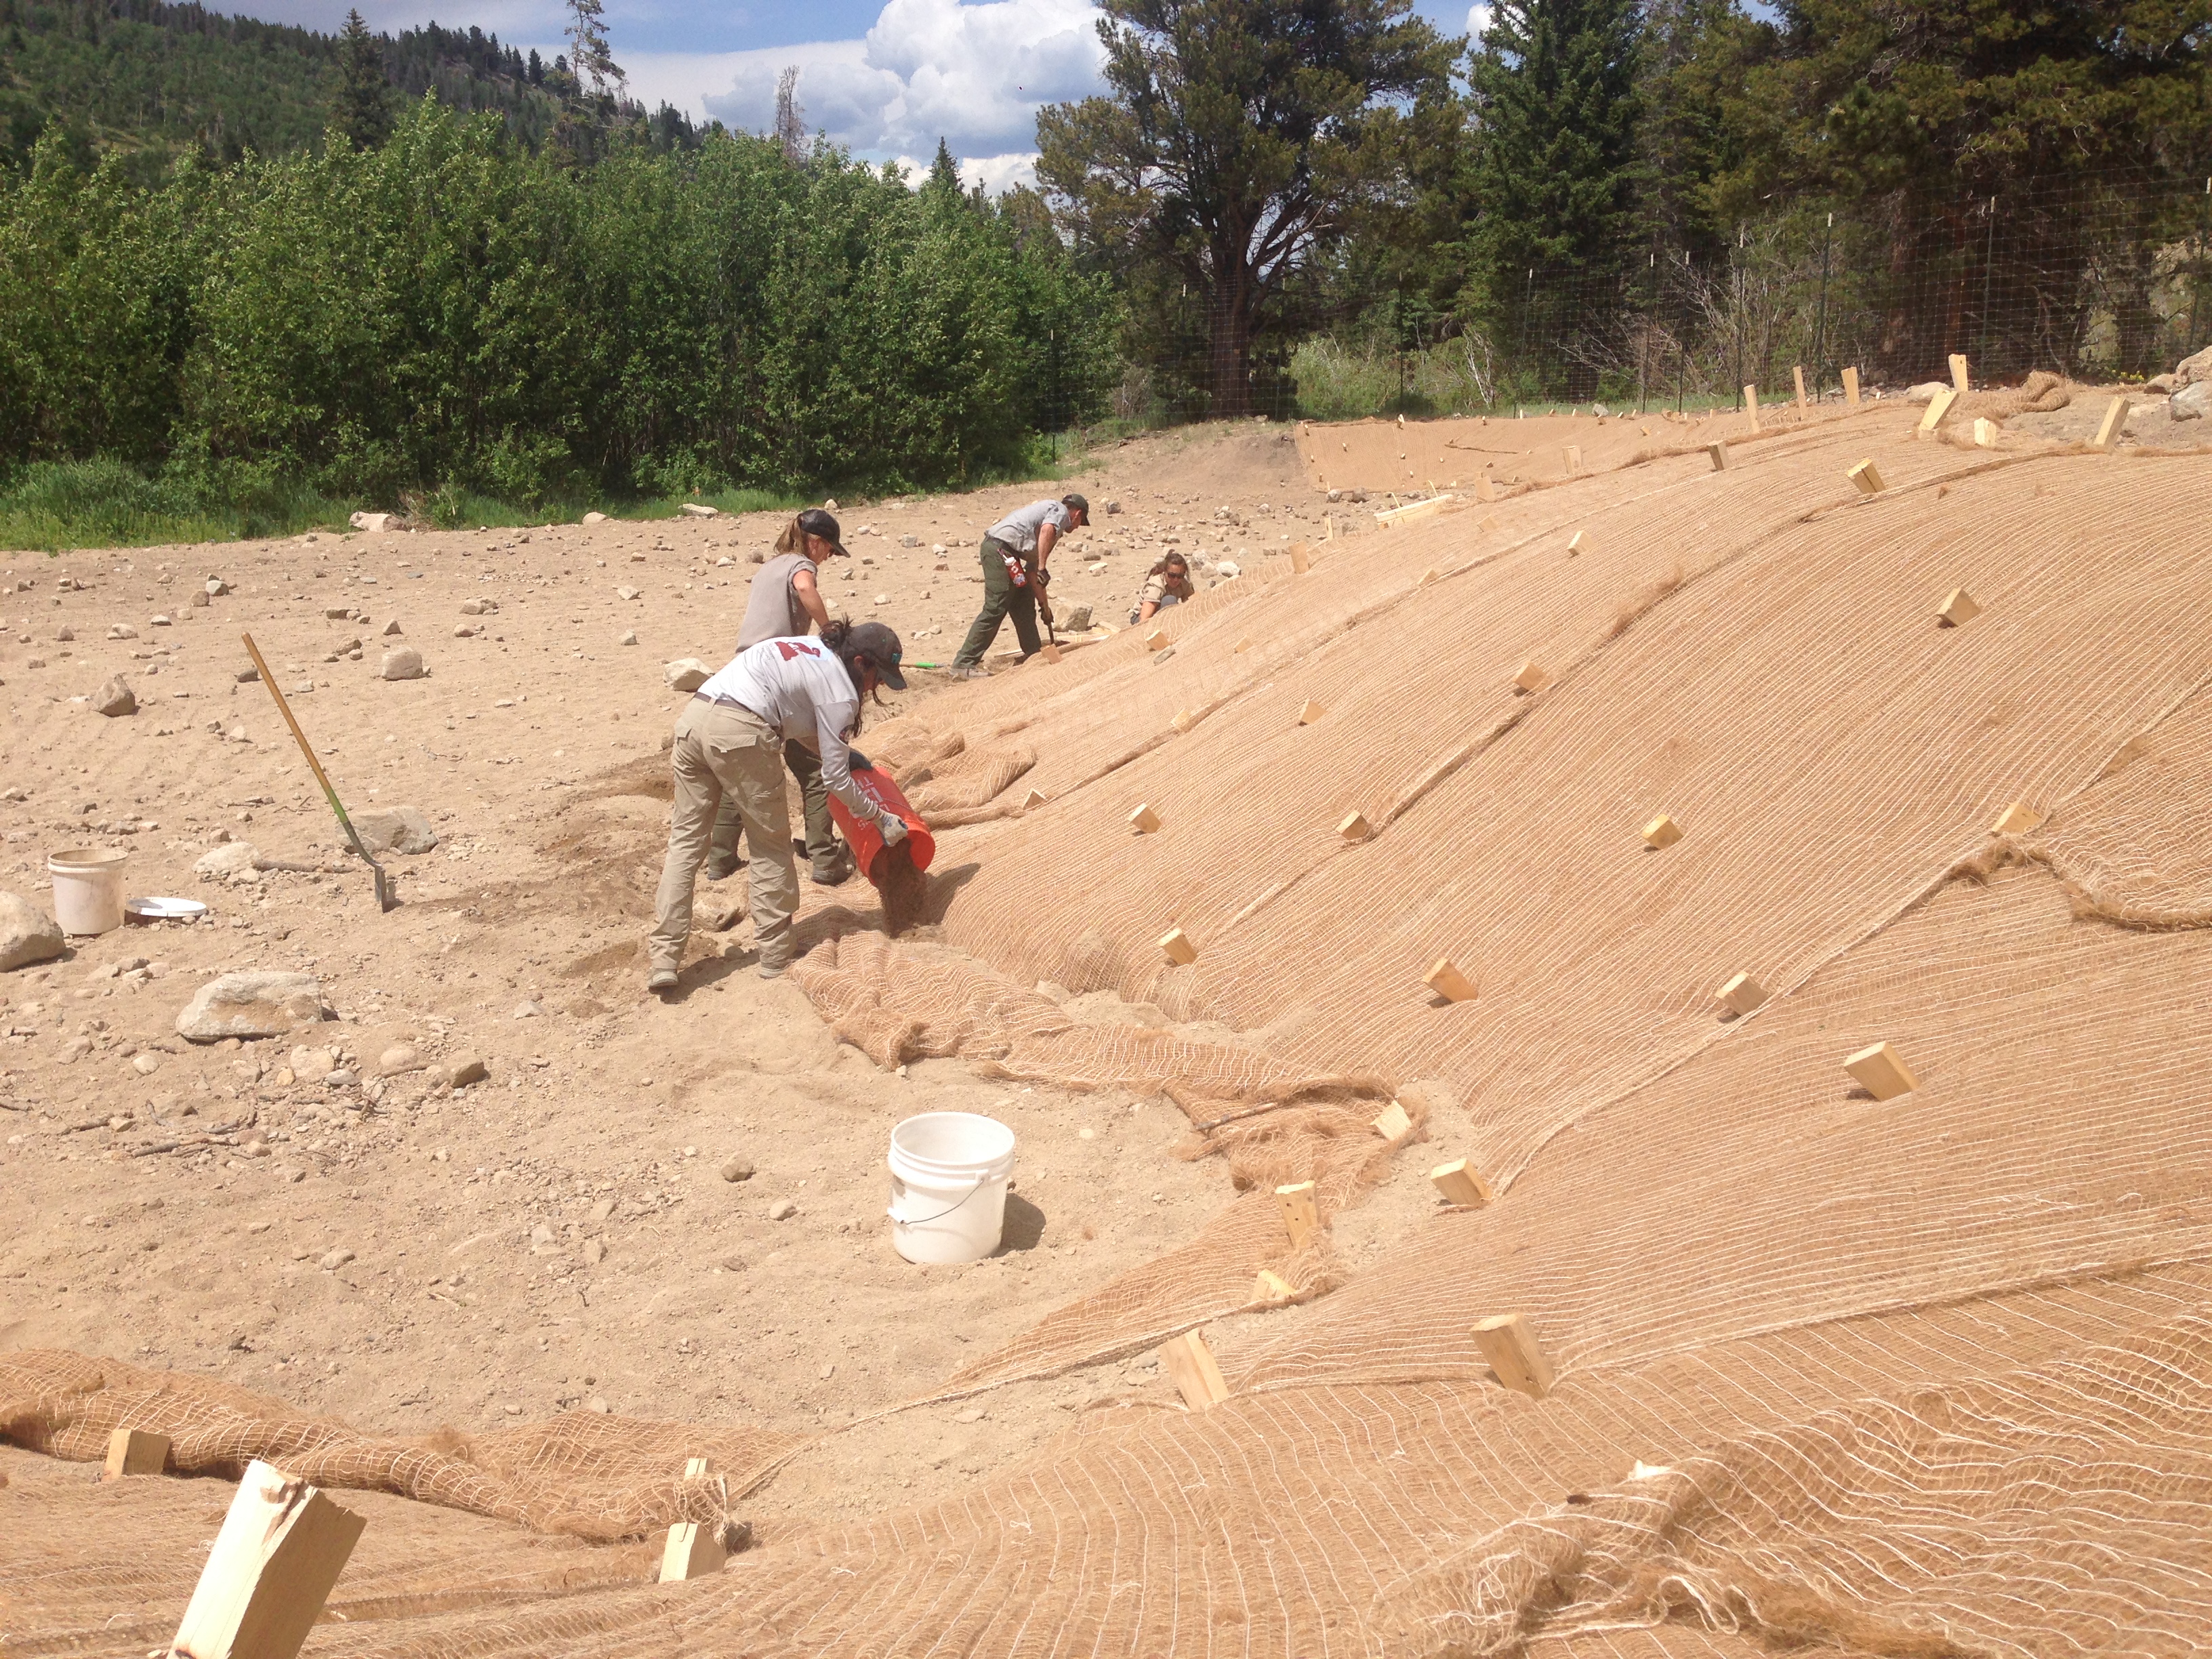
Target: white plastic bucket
[(89, 889), (949, 1175)]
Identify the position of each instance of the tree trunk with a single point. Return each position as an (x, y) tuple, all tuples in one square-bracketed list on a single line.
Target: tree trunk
[(1229, 345)]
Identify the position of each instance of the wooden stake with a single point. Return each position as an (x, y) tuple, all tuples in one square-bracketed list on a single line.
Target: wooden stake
[(1662, 832), (1460, 1184), (1448, 983), (1301, 1215), (1719, 452), (1530, 677), (1144, 820), (1851, 388), (1574, 544), (1483, 491), (2115, 423), (1242, 647), (1751, 406), (1572, 454), (1413, 510), (1184, 719), (281, 1548), (1797, 373), (1355, 827), (1938, 407), (694, 1550), (1394, 1126), (1509, 1343), (1986, 433), (1301, 558), (1190, 1363), (1035, 797), (1882, 1072), (1427, 576), (1272, 1288), (1867, 477), (698, 1469), (1156, 640), (136, 1451), (2016, 819), (1175, 947), (1959, 372), (1742, 993), (1957, 609), (1309, 711)]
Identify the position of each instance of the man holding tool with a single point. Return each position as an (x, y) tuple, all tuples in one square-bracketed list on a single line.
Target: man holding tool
[(784, 602), (730, 741), (1014, 577)]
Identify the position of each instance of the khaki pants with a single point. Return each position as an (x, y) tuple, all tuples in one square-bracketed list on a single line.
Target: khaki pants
[(814, 797), (723, 751)]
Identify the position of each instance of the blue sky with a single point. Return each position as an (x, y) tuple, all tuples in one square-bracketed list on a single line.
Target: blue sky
[(884, 78)]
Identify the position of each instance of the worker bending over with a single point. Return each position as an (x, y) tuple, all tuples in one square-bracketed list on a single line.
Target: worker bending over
[(1014, 577), (730, 742), (1166, 583), (784, 602)]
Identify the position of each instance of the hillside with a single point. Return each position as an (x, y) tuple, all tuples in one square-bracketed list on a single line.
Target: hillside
[(141, 75), (1926, 1374)]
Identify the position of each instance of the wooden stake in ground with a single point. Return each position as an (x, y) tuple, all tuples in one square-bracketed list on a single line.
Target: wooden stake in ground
[(1509, 1343), (1530, 677), (136, 1451), (1938, 407), (1851, 388), (1175, 947), (1301, 558), (2016, 819), (2114, 425), (1742, 994), (1662, 832), (1867, 477), (1445, 979), (1190, 1363), (1958, 609), (1751, 406), (1959, 372), (1459, 1183), (694, 1550), (1572, 455), (1355, 827), (281, 1548), (1394, 1125), (1719, 452), (1309, 711), (1301, 1215), (1144, 820), (1797, 373), (1272, 1289), (1882, 1072)]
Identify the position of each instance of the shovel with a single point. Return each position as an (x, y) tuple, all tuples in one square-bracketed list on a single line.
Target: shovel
[(386, 898)]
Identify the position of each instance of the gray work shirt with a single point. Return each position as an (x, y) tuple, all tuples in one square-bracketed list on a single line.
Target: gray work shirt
[(1019, 529), (772, 608)]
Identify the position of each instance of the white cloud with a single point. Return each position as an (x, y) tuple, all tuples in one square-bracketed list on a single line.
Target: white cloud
[(996, 173), (1478, 19), (972, 74)]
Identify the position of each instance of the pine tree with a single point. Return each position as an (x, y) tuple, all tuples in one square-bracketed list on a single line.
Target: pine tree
[(944, 182), (587, 34), (1557, 171), (363, 114)]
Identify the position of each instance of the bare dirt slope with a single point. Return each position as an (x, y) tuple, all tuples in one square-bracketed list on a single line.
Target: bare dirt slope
[(1914, 1374)]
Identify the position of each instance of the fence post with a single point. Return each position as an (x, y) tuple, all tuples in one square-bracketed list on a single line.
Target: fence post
[(1821, 326), (1988, 269)]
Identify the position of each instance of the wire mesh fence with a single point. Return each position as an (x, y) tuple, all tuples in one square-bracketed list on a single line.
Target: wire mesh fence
[(2094, 277)]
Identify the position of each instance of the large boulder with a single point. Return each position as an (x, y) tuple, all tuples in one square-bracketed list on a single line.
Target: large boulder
[(402, 663), (375, 523), (1925, 392), (395, 829), (116, 697), (687, 674), (2191, 370), (253, 1004), (27, 934), (2192, 402)]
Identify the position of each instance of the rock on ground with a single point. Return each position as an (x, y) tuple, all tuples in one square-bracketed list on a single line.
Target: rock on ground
[(27, 934), (233, 861), (116, 697), (251, 1004), (687, 674), (402, 663), (2192, 402), (2192, 369), (395, 829)]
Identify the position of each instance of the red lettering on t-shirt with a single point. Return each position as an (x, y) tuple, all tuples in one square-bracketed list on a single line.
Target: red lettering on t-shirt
[(792, 648)]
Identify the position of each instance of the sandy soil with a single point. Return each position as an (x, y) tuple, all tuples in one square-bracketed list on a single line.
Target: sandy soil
[(561, 1233)]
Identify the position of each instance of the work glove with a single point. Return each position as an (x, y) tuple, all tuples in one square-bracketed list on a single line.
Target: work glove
[(858, 761), (1044, 577), (894, 828)]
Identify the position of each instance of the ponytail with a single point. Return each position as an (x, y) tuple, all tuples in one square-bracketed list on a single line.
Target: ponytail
[(793, 539)]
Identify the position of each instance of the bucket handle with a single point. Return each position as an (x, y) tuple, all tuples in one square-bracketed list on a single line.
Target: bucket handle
[(924, 1221)]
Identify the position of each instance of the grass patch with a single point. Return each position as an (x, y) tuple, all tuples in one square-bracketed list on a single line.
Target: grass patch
[(54, 506)]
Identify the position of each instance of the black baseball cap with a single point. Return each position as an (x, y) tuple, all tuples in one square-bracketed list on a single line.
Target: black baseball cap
[(1077, 504), (814, 522), (880, 646)]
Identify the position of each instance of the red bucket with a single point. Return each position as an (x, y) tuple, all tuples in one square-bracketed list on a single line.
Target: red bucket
[(865, 839)]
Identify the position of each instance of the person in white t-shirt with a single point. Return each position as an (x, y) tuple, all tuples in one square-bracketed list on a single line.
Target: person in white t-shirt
[(730, 739)]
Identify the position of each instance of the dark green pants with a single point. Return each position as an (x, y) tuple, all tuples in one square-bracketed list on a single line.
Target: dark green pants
[(821, 835), (1002, 599)]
